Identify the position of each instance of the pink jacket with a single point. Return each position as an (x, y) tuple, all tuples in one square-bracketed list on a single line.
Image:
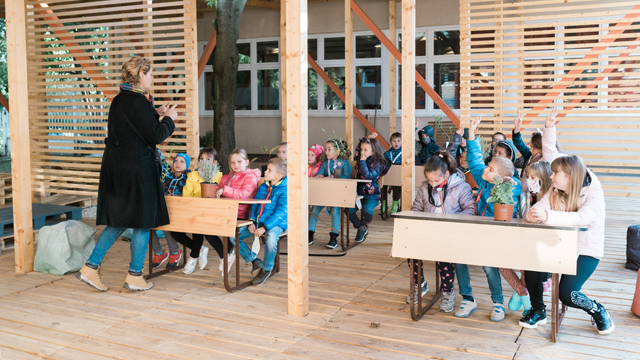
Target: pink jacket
[(591, 205), (242, 185)]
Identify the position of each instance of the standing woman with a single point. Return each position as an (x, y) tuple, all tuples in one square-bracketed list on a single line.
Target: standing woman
[(130, 194)]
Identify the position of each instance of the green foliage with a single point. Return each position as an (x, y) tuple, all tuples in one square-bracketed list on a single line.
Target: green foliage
[(4, 80), (211, 3), (447, 132), (209, 171), (265, 154), (485, 147), (207, 139), (502, 192), (343, 149)]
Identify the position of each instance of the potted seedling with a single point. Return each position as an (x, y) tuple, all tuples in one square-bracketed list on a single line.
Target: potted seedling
[(502, 198), (209, 172)]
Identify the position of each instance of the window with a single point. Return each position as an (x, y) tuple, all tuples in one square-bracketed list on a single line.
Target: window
[(421, 99), (368, 46), (446, 78), (446, 42), (482, 78), (267, 51), (268, 90), (334, 48), (368, 87), (420, 45), (331, 99)]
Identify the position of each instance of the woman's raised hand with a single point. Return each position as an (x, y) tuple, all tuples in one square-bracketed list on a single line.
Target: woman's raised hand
[(172, 113), (551, 119), (518, 122), (162, 109)]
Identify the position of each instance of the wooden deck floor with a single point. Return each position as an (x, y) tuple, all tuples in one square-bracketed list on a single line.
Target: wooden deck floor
[(358, 311)]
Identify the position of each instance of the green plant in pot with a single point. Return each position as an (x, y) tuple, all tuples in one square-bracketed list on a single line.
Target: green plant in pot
[(502, 198), (209, 171)]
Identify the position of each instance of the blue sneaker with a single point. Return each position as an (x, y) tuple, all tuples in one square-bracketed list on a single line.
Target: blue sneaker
[(467, 307), (515, 303), (361, 234), (497, 314)]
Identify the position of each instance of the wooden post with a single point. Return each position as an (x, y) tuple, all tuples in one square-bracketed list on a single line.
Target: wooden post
[(392, 69), (297, 138), (283, 68), (192, 59), (348, 74), (408, 101), (20, 152)]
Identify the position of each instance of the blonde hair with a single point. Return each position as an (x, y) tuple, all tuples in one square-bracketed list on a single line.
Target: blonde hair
[(542, 170), (241, 152), (280, 165), (504, 166), (131, 70), (575, 168)]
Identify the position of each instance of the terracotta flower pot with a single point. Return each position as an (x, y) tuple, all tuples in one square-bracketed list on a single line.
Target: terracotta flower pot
[(469, 179), (208, 190), (503, 212)]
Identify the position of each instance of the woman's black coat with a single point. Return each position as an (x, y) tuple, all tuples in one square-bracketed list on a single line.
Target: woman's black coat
[(130, 194)]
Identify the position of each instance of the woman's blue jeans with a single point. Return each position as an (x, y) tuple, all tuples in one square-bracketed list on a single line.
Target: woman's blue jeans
[(139, 244), (335, 218), (493, 278)]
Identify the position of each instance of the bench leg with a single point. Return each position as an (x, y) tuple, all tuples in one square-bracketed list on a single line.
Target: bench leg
[(557, 310), (225, 267), (417, 310)]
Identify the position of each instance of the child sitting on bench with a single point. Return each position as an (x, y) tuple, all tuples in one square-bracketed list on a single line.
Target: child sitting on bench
[(394, 156), (268, 219)]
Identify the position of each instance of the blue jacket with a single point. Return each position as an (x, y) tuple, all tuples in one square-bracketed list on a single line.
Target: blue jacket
[(368, 171), (522, 147), (429, 149), (275, 213), (173, 185), (477, 166), (394, 156), (326, 168)]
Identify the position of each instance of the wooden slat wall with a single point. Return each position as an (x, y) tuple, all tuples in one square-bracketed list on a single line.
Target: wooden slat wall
[(578, 56), (72, 81)]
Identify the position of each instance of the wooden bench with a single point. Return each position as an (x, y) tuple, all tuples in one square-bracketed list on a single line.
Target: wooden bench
[(394, 178), (340, 193), (479, 240)]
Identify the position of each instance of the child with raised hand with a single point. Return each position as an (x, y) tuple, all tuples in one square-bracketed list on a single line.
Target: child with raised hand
[(458, 148), (444, 191), (429, 147), (485, 178), (498, 136), (394, 156), (192, 187), (268, 219), (315, 159), (371, 166), (337, 154), (576, 198), (174, 183)]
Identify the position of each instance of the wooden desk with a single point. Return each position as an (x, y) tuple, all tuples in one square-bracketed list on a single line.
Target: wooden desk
[(479, 240), (394, 178), (203, 216), (340, 193)]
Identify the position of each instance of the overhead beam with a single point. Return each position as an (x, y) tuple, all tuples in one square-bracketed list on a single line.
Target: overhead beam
[(19, 129), (408, 101)]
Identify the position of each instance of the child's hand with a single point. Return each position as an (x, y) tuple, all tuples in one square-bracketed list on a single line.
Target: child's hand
[(330, 176), (372, 136), (320, 176), (460, 131), (259, 231), (473, 127), (551, 119), (537, 215), (219, 193), (517, 122), (417, 123), (251, 228)]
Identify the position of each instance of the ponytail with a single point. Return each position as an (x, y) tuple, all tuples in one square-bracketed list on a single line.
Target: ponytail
[(442, 162)]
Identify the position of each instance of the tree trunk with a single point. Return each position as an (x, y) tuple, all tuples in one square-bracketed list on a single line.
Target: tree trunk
[(225, 69)]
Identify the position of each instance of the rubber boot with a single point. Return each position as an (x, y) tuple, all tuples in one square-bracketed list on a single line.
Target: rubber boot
[(383, 207), (394, 209)]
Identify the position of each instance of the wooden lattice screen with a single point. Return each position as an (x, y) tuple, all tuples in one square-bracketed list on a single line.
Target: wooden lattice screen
[(75, 52), (578, 56)]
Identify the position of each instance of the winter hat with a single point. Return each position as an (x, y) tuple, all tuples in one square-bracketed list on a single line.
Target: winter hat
[(187, 159), (317, 149)]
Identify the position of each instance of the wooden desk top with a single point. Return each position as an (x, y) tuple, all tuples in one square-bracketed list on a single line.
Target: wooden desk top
[(340, 180), (226, 200), (482, 220)]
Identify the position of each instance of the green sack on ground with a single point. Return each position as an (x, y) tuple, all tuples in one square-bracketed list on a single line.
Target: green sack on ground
[(64, 247)]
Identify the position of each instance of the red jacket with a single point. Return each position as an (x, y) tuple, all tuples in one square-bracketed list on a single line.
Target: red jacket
[(242, 185)]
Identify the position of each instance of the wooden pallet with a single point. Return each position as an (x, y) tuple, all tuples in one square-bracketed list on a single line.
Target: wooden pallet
[(66, 199), (8, 242), (43, 214), (5, 187)]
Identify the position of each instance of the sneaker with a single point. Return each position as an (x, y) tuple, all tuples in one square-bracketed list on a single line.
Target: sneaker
[(533, 318), (174, 260), (466, 308), (425, 290), (221, 265), (202, 259), (159, 259), (91, 277), (190, 266), (231, 257), (602, 320), (137, 283), (257, 265), (262, 276), (311, 233), (546, 287), (361, 234), (515, 303), (526, 302), (333, 242), (497, 314), (448, 301), (394, 208)]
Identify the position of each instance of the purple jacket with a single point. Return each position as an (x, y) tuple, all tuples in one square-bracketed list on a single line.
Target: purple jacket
[(459, 200)]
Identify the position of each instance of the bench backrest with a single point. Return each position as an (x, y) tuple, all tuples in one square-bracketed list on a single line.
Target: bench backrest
[(512, 247), (202, 216)]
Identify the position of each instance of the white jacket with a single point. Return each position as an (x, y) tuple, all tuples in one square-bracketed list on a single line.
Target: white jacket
[(591, 205)]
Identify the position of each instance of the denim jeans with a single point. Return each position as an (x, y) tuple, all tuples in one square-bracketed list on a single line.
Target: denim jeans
[(493, 278), (367, 212), (272, 235), (335, 218), (171, 243), (139, 243)]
